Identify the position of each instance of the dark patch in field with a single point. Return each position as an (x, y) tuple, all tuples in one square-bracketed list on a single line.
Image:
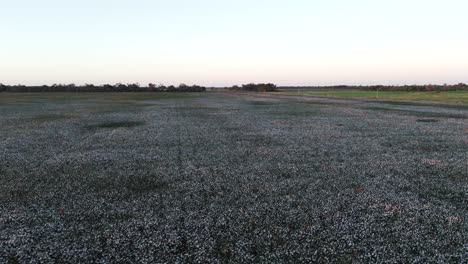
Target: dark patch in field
[(263, 103), (256, 139), (145, 184), (418, 145), (427, 146), (432, 184), (93, 220), (13, 259), (456, 198), (416, 113), (134, 184), (108, 125), (427, 120), (297, 113), (20, 194), (196, 108), (232, 128), (320, 103), (50, 117)]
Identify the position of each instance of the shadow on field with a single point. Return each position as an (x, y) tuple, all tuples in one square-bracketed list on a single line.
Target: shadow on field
[(122, 124)]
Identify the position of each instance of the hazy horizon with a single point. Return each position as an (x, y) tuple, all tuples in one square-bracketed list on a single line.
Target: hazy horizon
[(223, 43)]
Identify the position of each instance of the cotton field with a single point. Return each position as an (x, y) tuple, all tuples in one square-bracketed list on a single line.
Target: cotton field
[(229, 177)]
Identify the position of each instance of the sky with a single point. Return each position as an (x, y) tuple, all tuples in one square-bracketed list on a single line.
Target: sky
[(227, 42)]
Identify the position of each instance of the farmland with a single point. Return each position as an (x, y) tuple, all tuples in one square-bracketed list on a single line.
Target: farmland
[(231, 177), (452, 97)]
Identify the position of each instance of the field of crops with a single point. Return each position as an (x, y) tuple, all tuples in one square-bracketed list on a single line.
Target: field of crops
[(231, 177), (455, 97)]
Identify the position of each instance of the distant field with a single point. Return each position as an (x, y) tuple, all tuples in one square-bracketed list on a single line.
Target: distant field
[(442, 97), (230, 178)]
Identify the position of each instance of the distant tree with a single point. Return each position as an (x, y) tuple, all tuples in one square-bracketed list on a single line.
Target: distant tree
[(261, 87), (17, 88), (161, 88), (120, 87), (152, 87), (88, 87), (108, 87), (171, 88), (134, 87), (183, 88)]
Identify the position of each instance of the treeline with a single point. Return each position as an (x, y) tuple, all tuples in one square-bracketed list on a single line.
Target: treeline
[(119, 87), (252, 87), (387, 88), (419, 88), (261, 87)]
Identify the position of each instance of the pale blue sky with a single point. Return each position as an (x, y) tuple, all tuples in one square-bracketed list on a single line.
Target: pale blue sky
[(221, 42)]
